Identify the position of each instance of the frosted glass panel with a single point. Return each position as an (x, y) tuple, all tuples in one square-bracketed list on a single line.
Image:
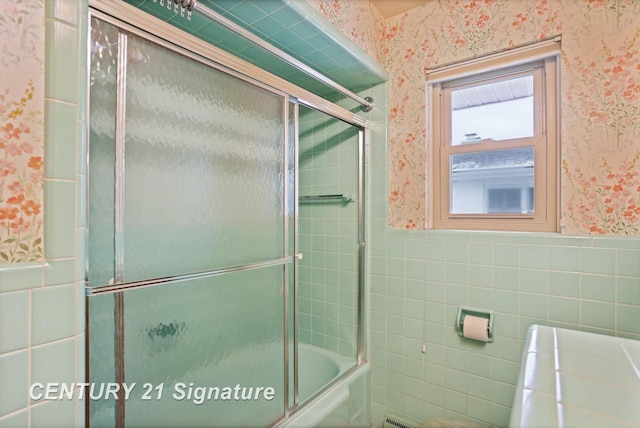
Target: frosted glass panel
[(204, 162), (102, 116), (102, 357), (208, 333)]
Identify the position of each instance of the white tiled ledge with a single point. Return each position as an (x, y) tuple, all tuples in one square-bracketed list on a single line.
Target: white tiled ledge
[(571, 378)]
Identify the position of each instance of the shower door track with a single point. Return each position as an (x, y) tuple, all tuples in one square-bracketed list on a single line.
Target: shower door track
[(140, 23), (367, 103)]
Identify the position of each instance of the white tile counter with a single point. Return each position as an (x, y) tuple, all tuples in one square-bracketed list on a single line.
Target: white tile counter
[(572, 378)]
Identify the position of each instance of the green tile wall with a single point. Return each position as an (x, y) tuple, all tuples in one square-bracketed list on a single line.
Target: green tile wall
[(42, 304), (417, 281)]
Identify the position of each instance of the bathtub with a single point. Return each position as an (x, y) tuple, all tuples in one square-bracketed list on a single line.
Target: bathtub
[(344, 403), (316, 368)]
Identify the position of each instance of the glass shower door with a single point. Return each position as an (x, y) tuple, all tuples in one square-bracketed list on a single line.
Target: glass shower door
[(330, 232), (190, 255)]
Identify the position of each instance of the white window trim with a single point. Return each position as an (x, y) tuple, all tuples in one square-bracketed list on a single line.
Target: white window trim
[(545, 219), (507, 59)]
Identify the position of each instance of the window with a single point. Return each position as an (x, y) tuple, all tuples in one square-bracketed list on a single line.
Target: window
[(493, 148)]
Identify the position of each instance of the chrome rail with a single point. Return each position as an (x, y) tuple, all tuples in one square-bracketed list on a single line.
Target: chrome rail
[(126, 286), (367, 102), (325, 198)]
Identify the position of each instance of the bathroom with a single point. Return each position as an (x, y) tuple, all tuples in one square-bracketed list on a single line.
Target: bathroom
[(585, 278)]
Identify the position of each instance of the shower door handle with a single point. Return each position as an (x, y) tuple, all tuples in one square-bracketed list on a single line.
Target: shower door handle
[(299, 256)]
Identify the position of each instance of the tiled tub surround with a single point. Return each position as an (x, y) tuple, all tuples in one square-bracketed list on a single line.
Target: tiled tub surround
[(573, 378), (419, 279)]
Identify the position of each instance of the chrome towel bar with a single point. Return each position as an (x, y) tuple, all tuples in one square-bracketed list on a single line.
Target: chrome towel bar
[(326, 198)]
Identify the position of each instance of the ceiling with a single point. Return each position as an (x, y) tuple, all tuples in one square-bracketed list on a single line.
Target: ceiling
[(390, 8)]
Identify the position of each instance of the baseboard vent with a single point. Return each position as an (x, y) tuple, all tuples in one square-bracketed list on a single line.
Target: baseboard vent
[(391, 421)]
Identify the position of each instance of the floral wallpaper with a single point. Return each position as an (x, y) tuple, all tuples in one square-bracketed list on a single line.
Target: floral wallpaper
[(21, 130), (600, 101), (358, 19)]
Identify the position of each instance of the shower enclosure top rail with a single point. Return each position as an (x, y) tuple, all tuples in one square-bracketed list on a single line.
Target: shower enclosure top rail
[(140, 22), (193, 5)]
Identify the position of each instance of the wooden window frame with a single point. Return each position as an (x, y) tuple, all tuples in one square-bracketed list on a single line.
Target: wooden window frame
[(541, 61)]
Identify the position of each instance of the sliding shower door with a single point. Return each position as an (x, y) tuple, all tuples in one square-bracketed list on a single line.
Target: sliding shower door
[(330, 233), (225, 236), (190, 249)]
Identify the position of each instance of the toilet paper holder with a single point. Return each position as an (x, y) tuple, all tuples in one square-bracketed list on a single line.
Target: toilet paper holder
[(480, 313)]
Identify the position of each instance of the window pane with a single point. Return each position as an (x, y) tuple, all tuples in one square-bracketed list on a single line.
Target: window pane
[(499, 111), (482, 182), (530, 199), (504, 200)]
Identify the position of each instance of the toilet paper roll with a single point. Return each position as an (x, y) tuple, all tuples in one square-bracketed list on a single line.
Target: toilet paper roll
[(476, 328)]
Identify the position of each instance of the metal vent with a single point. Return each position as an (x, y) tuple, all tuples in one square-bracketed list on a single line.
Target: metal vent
[(391, 421)]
